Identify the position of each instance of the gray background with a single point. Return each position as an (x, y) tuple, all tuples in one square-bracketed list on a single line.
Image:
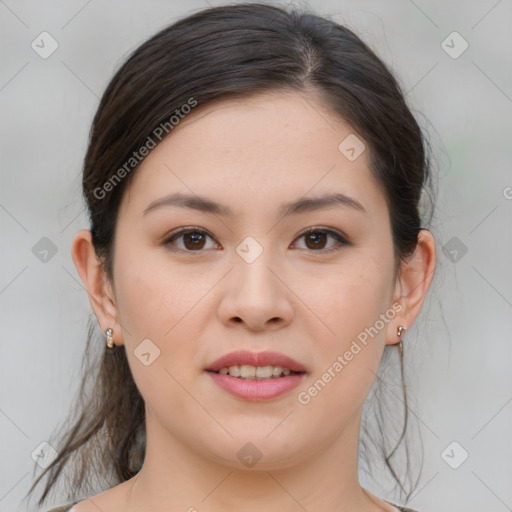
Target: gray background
[(459, 356)]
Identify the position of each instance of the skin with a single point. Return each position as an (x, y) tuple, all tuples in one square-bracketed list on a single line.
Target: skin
[(252, 155)]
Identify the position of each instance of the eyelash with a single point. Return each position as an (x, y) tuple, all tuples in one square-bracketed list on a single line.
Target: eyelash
[(341, 240)]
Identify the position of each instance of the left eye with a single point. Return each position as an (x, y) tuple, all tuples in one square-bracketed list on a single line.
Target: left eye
[(195, 239), (315, 237)]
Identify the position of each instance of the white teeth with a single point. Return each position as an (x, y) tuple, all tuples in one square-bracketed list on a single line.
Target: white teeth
[(234, 371), (246, 371), (264, 372), (276, 371)]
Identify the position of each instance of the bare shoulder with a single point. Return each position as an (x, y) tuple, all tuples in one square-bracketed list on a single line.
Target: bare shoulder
[(87, 505), (110, 500), (81, 506)]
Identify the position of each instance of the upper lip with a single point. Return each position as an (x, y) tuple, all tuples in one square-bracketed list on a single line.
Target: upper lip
[(255, 359)]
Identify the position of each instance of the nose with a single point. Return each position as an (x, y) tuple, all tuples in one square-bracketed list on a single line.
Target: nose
[(256, 295)]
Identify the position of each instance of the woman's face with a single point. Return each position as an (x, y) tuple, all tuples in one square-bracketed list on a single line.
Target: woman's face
[(248, 278)]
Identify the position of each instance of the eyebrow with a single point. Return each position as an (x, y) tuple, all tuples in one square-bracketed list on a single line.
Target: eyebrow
[(302, 205)]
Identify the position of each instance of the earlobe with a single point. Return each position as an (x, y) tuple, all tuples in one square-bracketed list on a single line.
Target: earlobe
[(96, 283), (412, 284)]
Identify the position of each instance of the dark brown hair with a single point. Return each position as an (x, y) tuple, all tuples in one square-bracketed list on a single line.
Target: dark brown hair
[(213, 55)]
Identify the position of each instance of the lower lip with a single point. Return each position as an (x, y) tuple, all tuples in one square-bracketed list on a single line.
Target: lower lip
[(256, 389)]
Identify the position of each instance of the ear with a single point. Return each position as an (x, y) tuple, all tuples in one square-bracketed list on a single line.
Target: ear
[(98, 286), (412, 283)]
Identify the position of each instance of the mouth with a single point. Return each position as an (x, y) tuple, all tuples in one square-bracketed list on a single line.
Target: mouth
[(256, 365), (256, 375)]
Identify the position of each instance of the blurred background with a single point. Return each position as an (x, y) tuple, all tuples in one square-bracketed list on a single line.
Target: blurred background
[(454, 61)]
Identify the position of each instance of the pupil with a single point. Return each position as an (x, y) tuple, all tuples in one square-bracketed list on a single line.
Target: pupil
[(317, 237), (195, 237)]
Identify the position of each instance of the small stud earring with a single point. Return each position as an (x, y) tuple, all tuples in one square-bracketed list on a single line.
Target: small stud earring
[(400, 330), (110, 338)]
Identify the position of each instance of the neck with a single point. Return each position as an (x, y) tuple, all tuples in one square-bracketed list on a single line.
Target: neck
[(174, 476)]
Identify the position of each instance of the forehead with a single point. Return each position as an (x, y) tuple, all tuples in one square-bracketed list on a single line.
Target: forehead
[(271, 145)]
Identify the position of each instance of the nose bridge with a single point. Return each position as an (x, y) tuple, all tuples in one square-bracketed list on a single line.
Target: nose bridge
[(253, 262), (254, 294)]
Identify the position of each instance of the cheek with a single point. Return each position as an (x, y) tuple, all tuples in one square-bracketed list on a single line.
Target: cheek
[(154, 297), (353, 297), (155, 303), (355, 308), (158, 322)]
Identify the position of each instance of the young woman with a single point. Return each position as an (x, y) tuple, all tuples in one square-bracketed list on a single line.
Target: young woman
[(253, 180)]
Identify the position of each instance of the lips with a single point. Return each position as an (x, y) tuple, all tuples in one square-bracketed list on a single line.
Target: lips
[(245, 357)]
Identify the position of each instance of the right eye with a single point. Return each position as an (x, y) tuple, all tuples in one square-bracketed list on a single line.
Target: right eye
[(193, 240)]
